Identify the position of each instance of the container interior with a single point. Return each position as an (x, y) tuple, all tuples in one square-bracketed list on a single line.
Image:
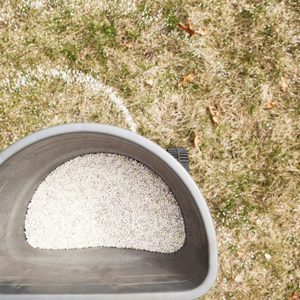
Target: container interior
[(100, 270)]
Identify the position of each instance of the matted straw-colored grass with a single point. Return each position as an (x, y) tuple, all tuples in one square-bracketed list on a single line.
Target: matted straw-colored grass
[(244, 61)]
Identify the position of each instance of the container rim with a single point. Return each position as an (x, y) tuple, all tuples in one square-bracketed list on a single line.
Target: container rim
[(172, 163)]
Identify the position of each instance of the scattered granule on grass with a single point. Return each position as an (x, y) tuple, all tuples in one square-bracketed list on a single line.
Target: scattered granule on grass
[(104, 200)]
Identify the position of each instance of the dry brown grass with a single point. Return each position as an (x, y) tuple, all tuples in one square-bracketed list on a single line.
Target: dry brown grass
[(246, 56)]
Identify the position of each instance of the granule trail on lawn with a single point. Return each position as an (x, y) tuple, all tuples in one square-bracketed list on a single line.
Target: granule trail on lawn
[(104, 200)]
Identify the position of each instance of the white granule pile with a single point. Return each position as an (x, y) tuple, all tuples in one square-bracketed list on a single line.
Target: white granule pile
[(104, 200)]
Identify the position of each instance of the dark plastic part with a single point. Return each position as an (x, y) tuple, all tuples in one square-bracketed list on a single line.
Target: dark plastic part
[(181, 155)]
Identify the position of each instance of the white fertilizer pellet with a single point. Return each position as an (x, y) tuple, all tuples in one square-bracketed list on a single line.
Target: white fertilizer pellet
[(104, 200)]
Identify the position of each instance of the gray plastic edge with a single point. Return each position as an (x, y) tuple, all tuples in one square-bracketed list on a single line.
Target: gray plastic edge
[(176, 167)]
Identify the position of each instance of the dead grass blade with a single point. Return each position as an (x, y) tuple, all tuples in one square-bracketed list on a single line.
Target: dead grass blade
[(214, 114)]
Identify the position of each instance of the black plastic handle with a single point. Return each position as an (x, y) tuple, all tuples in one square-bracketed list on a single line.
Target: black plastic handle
[(181, 155)]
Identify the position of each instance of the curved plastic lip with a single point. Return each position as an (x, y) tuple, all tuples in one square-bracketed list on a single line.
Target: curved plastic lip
[(170, 161)]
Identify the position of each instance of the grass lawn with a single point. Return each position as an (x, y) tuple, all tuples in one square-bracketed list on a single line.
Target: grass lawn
[(226, 87)]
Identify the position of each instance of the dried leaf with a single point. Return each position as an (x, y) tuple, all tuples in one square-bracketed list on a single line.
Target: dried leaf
[(186, 27), (295, 296), (214, 114), (284, 84), (271, 104), (187, 79), (196, 140)]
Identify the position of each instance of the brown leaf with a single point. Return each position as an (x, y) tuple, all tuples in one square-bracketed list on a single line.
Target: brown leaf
[(187, 79), (271, 104), (196, 140), (284, 84), (214, 114), (186, 27), (295, 296)]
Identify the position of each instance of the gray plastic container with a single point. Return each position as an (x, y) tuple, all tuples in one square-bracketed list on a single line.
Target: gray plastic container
[(99, 273)]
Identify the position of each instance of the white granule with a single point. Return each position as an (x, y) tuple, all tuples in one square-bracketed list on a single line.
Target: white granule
[(104, 200)]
